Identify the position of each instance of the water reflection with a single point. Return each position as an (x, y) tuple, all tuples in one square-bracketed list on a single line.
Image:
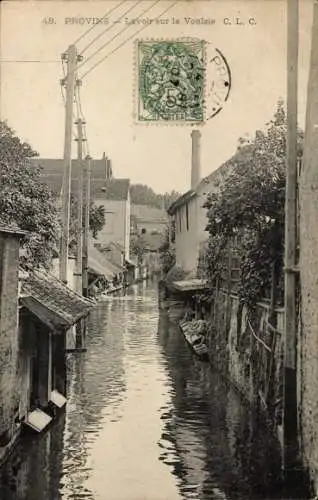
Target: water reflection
[(217, 450), (144, 420)]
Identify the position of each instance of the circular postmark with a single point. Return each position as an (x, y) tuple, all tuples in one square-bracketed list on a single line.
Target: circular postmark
[(171, 80), (218, 82)]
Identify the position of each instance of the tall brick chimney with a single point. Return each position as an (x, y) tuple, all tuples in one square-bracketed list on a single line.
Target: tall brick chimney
[(195, 159)]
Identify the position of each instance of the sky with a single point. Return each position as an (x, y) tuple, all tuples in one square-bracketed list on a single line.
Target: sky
[(35, 34)]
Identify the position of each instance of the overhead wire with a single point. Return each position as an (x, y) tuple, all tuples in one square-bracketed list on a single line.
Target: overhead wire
[(109, 27), (98, 24), (117, 34), (125, 41)]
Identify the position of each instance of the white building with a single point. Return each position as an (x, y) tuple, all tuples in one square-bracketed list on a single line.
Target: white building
[(115, 198), (188, 214)]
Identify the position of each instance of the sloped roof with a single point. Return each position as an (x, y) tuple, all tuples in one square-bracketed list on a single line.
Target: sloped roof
[(56, 303), (115, 189), (99, 264), (146, 213), (117, 245), (53, 168), (181, 201), (11, 229), (215, 175)]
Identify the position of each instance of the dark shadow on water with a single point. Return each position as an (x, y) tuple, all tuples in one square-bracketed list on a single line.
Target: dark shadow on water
[(223, 449), (34, 468)]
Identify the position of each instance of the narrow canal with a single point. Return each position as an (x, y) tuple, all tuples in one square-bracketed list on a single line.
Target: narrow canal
[(144, 421)]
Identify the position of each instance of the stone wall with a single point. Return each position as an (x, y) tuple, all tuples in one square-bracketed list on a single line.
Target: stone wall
[(243, 347), (308, 205), (9, 394)]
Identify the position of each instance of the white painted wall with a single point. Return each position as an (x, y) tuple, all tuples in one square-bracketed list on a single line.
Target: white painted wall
[(71, 269), (189, 240), (115, 226)]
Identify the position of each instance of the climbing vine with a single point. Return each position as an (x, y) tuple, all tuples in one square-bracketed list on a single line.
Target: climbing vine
[(247, 213)]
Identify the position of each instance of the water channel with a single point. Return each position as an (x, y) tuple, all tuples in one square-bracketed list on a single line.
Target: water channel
[(145, 420)]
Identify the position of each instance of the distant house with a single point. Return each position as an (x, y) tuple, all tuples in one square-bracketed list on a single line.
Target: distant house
[(188, 215), (115, 197), (151, 219), (53, 168)]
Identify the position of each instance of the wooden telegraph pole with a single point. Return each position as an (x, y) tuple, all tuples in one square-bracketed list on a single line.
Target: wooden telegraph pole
[(290, 454), (87, 188), (79, 221), (80, 327), (69, 82)]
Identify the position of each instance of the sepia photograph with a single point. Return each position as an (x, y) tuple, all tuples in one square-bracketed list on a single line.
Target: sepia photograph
[(158, 257)]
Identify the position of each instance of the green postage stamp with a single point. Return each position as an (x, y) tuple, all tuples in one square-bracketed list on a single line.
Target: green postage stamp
[(171, 81)]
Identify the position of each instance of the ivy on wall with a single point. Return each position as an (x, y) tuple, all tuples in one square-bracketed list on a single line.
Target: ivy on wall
[(247, 212)]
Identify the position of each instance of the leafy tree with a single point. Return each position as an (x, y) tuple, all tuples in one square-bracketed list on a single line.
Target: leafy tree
[(169, 198), (249, 209), (144, 195), (25, 200), (167, 254), (97, 221)]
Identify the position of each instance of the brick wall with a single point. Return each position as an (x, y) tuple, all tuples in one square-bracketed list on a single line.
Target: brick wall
[(9, 398)]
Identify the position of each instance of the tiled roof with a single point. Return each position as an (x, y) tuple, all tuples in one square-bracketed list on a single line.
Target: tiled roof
[(11, 228), (52, 173), (115, 189), (64, 306)]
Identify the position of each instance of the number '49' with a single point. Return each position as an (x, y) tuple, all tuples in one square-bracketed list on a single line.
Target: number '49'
[(48, 20)]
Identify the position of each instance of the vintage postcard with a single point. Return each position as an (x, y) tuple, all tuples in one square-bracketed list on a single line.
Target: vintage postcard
[(157, 206)]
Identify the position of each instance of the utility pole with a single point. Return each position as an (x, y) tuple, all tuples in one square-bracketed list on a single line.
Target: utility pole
[(86, 207), (79, 221), (290, 420), (80, 327), (69, 82)]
